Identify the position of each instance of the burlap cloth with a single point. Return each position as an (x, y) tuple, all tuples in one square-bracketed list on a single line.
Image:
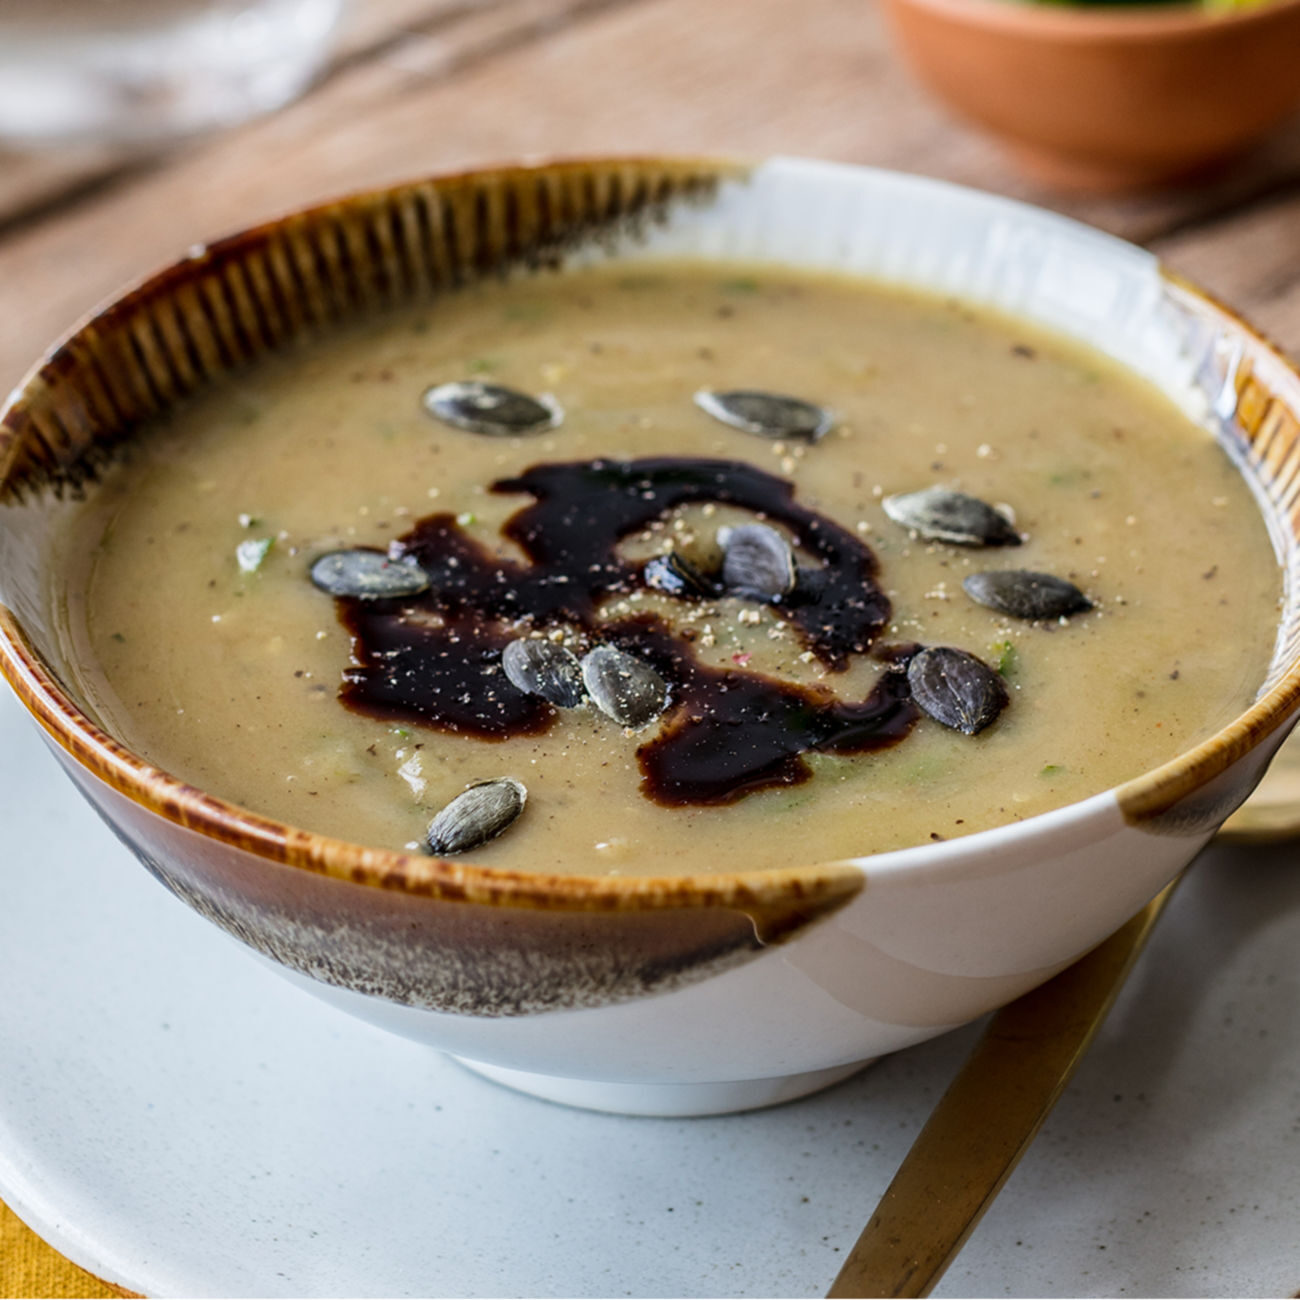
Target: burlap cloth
[(28, 1267)]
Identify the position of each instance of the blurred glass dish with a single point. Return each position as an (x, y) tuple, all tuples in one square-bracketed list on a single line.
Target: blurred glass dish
[(137, 73)]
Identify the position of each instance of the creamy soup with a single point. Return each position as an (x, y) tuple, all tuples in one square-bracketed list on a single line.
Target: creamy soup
[(793, 726)]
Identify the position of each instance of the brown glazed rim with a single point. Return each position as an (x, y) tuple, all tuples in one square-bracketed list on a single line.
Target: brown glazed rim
[(1272, 429), (1090, 24), (670, 179)]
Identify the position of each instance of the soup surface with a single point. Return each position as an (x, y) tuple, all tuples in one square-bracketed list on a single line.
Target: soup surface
[(213, 654)]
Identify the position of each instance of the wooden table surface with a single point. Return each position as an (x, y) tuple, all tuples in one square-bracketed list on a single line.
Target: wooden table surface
[(419, 85), (422, 85)]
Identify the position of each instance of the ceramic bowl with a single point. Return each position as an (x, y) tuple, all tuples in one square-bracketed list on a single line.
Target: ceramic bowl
[(1104, 97), (675, 994)]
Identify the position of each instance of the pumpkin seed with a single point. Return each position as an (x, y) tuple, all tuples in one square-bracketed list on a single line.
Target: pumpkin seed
[(955, 688), (674, 575), (543, 668), (623, 687), (941, 515), (491, 409), (1023, 594), (368, 575), (769, 415), (757, 562), (478, 815)]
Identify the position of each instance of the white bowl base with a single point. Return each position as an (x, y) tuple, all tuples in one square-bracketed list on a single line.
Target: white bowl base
[(665, 1100)]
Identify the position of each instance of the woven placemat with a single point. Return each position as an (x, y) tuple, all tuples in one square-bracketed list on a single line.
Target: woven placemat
[(30, 1268)]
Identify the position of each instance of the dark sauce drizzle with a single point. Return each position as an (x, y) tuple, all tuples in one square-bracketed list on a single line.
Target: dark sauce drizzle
[(728, 732)]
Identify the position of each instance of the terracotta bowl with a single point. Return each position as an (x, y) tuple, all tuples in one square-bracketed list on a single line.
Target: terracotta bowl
[(1108, 98), (672, 994)]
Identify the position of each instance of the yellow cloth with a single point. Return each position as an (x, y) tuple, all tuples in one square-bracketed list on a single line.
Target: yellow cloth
[(28, 1267)]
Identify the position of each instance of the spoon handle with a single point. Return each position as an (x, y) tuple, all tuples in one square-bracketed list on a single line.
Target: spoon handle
[(986, 1120)]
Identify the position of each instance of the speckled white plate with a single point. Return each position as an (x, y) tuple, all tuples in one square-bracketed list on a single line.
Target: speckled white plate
[(181, 1121)]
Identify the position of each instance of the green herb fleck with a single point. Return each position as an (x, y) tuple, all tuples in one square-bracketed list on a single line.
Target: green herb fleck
[(1070, 476), (482, 366), (928, 767), (251, 553), (740, 284), (119, 638), (790, 801), (1006, 658), (466, 519), (1052, 769)]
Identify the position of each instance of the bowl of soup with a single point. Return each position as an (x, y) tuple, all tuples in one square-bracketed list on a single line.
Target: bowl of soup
[(663, 631)]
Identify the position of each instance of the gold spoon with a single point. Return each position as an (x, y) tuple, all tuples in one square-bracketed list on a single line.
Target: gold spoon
[(986, 1120), (995, 1106)]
